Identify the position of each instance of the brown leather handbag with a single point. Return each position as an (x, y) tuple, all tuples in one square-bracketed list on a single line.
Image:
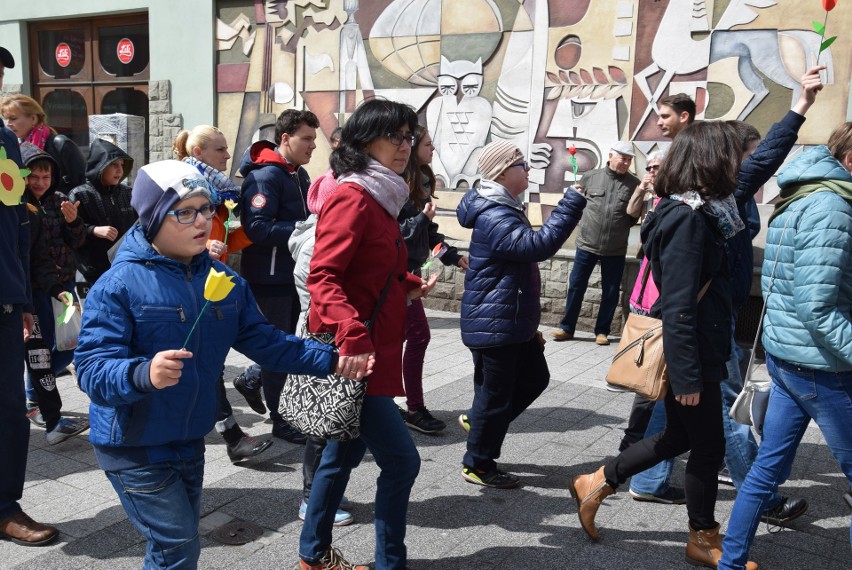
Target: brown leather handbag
[(639, 364)]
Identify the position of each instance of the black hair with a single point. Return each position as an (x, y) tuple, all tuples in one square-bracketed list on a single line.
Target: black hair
[(680, 103), (290, 120), (374, 118), (704, 157)]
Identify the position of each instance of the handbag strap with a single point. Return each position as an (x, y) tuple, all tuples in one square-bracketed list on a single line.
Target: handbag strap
[(369, 322), (747, 380)]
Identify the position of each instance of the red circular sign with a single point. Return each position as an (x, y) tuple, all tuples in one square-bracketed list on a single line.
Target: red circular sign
[(125, 50), (63, 54)]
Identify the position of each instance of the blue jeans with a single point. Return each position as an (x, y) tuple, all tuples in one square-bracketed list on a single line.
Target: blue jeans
[(13, 420), (797, 395), (740, 445), (163, 501), (612, 267), (387, 438)]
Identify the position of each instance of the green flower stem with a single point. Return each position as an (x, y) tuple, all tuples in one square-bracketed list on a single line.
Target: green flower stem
[(195, 324)]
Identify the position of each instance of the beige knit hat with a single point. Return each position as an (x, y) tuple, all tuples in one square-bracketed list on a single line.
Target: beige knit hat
[(497, 157)]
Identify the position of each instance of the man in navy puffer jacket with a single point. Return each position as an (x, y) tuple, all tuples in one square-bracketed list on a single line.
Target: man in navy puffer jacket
[(500, 307)]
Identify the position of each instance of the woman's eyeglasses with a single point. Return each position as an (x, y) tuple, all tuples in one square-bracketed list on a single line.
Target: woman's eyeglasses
[(524, 165), (652, 167), (188, 215), (399, 138)]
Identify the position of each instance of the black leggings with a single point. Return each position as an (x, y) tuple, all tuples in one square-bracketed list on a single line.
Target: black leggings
[(697, 429)]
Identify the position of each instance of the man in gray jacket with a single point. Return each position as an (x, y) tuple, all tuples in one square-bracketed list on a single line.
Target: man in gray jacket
[(614, 205)]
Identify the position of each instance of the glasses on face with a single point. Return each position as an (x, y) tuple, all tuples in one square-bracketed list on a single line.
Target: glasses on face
[(188, 215), (399, 138), (652, 167), (524, 165)]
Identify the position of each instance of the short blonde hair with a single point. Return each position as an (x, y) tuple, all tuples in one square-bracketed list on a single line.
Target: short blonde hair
[(199, 137), (25, 105)]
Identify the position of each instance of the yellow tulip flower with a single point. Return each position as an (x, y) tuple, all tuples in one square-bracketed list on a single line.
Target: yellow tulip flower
[(218, 285)]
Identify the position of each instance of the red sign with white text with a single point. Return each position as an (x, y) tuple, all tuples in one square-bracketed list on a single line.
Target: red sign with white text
[(63, 54), (125, 50)]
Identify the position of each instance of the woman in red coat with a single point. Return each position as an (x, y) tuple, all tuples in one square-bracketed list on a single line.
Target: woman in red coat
[(359, 251)]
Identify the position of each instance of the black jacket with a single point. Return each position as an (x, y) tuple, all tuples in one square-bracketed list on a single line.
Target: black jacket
[(72, 165), (421, 235), (102, 206), (756, 171), (686, 250)]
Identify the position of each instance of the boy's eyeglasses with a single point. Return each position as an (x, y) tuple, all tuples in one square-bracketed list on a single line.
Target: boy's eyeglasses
[(524, 165), (188, 215), (398, 139), (653, 167)]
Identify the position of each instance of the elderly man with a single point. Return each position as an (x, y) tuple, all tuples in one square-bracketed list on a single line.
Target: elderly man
[(614, 204)]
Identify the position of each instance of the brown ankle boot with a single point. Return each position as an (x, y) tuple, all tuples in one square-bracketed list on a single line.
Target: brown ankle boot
[(705, 549), (589, 491)]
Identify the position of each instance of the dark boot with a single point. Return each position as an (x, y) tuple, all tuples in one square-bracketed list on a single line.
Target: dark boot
[(589, 491), (246, 447), (705, 548)]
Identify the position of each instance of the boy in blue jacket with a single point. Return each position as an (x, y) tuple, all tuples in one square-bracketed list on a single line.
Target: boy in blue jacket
[(151, 383)]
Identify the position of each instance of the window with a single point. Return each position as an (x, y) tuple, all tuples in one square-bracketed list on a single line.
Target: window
[(94, 66)]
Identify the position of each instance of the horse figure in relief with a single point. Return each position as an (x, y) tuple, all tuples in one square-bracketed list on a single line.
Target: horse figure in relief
[(685, 44)]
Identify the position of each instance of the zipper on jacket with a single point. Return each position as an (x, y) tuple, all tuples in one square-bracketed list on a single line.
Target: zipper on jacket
[(272, 265), (219, 315), (518, 306), (181, 314)]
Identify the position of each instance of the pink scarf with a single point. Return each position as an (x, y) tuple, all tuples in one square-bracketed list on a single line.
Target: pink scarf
[(39, 135)]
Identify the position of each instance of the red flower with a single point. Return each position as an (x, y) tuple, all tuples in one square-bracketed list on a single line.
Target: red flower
[(829, 5), (573, 149)]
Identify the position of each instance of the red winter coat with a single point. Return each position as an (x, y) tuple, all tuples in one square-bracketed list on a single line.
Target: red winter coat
[(357, 245)]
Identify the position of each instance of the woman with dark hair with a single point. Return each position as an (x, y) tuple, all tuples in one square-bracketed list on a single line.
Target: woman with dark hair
[(684, 243), (359, 261), (416, 221)]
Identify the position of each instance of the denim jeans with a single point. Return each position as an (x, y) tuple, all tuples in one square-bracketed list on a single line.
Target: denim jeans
[(387, 438), (13, 420), (417, 337), (506, 380), (612, 267), (163, 501), (740, 445), (797, 395)]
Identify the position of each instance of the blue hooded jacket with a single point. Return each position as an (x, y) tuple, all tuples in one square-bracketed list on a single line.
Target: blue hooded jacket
[(274, 198), (502, 286), (15, 237), (145, 304), (808, 319)]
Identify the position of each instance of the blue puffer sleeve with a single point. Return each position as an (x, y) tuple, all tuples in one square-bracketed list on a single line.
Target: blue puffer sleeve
[(103, 358), (511, 238), (277, 350), (822, 254)]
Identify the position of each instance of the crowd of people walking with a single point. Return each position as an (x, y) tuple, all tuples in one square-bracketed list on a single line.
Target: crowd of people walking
[(346, 257)]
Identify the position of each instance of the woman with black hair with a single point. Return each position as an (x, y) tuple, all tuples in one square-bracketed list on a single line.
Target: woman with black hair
[(359, 253), (684, 241)]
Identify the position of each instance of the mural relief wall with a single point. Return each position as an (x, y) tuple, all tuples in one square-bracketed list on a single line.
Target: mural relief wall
[(544, 75)]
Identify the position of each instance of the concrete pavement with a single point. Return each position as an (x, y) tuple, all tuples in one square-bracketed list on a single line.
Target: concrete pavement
[(452, 524)]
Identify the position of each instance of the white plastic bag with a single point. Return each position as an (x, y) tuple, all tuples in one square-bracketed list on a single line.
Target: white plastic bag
[(67, 321)]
